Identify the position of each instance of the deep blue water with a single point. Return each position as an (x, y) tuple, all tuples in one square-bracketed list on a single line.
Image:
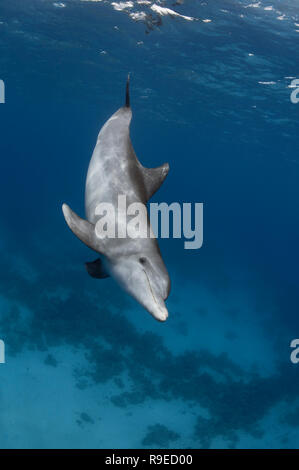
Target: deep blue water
[(85, 365)]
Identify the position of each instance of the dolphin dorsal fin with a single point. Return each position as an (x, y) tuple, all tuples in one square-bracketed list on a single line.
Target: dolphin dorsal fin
[(83, 229), (154, 177)]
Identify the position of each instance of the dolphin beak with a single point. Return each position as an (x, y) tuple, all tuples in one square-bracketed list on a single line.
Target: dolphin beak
[(157, 308), (160, 314)]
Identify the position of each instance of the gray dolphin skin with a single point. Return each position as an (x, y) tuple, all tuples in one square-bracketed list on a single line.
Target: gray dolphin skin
[(135, 263)]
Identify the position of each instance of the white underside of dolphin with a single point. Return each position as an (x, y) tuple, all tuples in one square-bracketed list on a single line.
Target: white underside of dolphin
[(135, 263)]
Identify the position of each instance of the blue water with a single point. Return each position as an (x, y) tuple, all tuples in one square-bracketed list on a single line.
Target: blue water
[(86, 366)]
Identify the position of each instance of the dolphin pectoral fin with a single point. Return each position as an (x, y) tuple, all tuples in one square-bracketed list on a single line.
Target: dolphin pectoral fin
[(96, 269), (154, 177), (83, 229)]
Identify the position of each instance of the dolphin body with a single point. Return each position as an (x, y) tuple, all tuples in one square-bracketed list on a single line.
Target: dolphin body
[(135, 263)]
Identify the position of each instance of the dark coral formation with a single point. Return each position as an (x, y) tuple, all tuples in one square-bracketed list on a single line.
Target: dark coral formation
[(40, 320), (160, 436)]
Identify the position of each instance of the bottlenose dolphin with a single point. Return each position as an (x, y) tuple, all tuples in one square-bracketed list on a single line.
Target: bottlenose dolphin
[(114, 169)]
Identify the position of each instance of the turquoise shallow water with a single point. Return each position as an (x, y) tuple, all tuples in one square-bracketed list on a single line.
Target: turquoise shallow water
[(85, 365)]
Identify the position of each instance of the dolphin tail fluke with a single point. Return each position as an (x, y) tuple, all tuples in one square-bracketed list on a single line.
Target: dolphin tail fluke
[(83, 229), (128, 92)]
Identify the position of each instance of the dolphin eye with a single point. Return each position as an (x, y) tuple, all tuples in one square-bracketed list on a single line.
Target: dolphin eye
[(142, 260)]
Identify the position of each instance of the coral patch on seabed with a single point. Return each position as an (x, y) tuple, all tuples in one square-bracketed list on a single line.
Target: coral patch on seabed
[(94, 347)]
